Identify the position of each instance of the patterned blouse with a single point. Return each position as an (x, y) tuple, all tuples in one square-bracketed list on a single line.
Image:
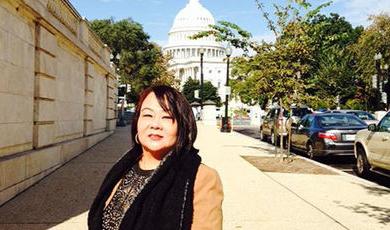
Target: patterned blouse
[(128, 189)]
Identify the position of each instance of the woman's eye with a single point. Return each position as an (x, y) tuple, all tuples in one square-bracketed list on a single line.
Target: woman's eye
[(146, 115), (167, 117)]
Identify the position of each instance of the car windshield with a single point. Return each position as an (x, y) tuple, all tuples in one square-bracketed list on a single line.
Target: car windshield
[(339, 120), (363, 115)]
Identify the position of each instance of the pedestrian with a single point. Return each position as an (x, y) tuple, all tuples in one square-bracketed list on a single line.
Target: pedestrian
[(160, 183)]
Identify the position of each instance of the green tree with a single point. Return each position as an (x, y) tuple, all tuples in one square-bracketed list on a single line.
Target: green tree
[(141, 62), (374, 39), (333, 66), (209, 91)]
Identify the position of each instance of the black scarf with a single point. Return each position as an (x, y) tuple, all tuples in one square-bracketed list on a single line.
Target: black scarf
[(165, 202)]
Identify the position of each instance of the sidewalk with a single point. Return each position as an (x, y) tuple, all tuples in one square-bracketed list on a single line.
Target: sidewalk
[(253, 199)]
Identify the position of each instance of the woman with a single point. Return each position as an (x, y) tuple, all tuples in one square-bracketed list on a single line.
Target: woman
[(160, 183)]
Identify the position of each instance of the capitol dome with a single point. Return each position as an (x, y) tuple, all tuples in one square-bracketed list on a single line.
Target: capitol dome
[(193, 16), (186, 53)]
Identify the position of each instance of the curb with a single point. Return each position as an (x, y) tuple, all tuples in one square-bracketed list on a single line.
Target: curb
[(338, 171)]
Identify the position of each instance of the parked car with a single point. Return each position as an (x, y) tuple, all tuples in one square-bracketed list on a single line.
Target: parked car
[(372, 148), (296, 114), (321, 134), (273, 124), (367, 117)]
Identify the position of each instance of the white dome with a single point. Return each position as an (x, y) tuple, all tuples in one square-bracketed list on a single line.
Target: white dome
[(193, 16)]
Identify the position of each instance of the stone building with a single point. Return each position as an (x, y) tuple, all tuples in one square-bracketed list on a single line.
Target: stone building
[(57, 90), (185, 52)]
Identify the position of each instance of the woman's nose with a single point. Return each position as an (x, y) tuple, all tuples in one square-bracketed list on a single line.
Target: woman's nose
[(156, 123)]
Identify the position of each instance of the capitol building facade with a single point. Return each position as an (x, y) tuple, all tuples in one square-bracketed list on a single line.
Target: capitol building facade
[(186, 52)]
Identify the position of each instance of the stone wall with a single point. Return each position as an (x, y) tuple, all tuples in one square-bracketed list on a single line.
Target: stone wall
[(57, 90)]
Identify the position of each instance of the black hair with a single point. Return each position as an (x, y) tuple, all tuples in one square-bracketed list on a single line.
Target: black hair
[(174, 103)]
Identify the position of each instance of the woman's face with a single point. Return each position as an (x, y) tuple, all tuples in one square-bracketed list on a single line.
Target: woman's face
[(157, 131)]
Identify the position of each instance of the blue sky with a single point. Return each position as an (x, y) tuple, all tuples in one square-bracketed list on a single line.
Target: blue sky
[(157, 16)]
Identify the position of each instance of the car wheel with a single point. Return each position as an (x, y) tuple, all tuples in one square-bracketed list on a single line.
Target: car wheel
[(362, 165), (309, 150), (263, 137)]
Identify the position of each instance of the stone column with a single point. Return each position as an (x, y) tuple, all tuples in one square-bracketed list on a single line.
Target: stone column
[(44, 132), (88, 102), (111, 102)]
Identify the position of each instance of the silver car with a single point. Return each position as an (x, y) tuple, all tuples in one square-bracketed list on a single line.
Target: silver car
[(372, 148)]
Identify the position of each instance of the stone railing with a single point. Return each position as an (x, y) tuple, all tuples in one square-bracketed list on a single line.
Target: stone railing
[(65, 13)]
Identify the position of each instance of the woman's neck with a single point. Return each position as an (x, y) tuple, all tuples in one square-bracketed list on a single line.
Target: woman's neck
[(148, 161)]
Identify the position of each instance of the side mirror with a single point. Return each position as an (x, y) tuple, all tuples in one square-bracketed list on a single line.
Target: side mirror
[(372, 127)]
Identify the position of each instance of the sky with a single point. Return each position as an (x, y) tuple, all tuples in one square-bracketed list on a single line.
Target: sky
[(157, 16)]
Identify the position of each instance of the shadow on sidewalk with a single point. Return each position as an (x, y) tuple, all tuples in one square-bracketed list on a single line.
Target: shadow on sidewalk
[(69, 191)]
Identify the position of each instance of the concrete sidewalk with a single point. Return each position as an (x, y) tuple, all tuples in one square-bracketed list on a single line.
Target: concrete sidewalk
[(253, 199)]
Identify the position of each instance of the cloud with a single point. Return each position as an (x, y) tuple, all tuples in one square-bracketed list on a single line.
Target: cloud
[(268, 37), (358, 11)]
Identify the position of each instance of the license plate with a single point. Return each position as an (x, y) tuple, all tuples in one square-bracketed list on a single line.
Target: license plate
[(349, 137)]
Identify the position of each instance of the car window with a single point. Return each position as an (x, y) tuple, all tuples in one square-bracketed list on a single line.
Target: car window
[(302, 121), (384, 126), (363, 115), (339, 120), (300, 112)]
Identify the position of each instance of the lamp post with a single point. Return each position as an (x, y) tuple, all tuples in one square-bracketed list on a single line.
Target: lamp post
[(225, 122), (201, 52), (377, 58), (121, 116), (385, 85)]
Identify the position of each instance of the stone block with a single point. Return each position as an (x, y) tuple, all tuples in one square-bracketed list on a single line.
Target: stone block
[(41, 160), (89, 83), (89, 98), (44, 135), (88, 112), (71, 149), (91, 69), (69, 111), (67, 130), (48, 41), (45, 87), (111, 104), (20, 80), (13, 171), (111, 124), (4, 54), (88, 127), (47, 64), (15, 108), (45, 110), (17, 138), (16, 24), (15, 50), (110, 113)]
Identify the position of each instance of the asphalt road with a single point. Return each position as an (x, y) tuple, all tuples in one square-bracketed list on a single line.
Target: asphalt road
[(343, 163)]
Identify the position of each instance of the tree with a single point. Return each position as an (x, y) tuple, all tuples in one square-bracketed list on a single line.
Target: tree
[(141, 62), (209, 91), (333, 66), (374, 39)]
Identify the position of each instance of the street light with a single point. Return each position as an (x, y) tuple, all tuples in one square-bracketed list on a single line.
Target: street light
[(377, 58), (385, 85), (115, 59), (225, 122), (201, 52)]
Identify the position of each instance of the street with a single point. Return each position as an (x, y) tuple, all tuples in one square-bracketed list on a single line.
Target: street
[(343, 163)]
